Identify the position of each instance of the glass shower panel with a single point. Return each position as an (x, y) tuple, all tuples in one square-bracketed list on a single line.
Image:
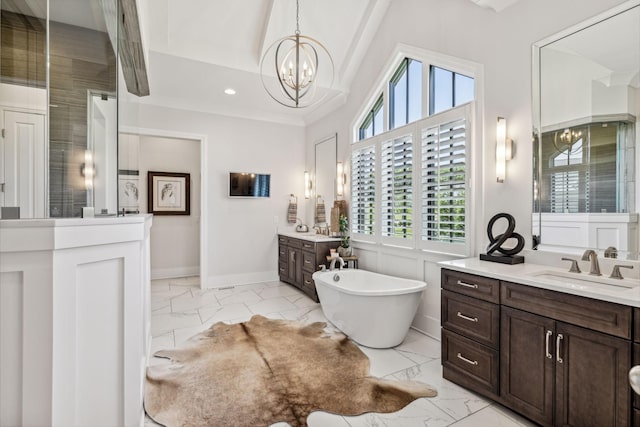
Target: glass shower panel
[(23, 107), (82, 107)]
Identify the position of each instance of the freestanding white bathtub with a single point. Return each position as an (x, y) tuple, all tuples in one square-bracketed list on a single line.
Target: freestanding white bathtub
[(372, 309)]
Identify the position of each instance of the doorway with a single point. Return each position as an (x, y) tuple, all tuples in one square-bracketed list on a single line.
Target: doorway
[(23, 162), (178, 244)]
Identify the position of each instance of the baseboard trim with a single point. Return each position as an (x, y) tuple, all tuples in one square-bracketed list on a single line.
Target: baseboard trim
[(240, 279), (172, 273), (428, 326)]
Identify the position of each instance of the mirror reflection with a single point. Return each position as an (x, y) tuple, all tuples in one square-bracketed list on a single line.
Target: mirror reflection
[(325, 175), (586, 92)]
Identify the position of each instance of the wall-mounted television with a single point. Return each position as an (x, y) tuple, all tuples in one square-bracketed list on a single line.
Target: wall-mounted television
[(248, 184)]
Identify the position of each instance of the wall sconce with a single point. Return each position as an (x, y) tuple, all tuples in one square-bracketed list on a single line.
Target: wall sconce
[(341, 179), (87, 170), (504, 149), (307, 185)]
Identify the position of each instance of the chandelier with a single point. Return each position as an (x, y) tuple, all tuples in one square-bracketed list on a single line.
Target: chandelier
[(296, 62), (566, 139)]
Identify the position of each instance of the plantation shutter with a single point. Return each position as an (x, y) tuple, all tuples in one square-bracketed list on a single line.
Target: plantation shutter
[(565, 192), (443, 179), (363, 190), (396, 191)]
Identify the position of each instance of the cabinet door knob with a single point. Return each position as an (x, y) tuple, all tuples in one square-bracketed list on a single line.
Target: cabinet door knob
[(546, 346), (558, 339)]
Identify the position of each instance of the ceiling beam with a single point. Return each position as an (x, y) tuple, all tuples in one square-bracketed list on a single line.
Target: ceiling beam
[(367, 28), (262, 44), (131, 52)]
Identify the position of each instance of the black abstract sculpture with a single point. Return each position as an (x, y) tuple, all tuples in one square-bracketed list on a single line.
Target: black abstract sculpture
[(506, 255)]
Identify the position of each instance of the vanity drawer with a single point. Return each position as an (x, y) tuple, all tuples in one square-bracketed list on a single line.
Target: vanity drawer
[(282, 253), (308, 246), (308, 286), (282, 269), (294, 243), (479, 287), (602, 316), (307, 281), (473, 318), (283, 240), (469, 363), (308, 261)]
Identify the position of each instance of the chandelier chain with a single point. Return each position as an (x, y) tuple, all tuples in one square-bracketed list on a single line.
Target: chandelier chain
[(297, 16)]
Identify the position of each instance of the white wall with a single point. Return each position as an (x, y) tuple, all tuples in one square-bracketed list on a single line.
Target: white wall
[(502, 43), (240, 233)]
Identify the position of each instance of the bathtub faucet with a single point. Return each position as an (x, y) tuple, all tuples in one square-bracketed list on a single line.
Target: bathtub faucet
[(332, 266)]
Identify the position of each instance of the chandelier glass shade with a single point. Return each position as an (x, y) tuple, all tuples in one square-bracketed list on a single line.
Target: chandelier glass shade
[(291, 67)]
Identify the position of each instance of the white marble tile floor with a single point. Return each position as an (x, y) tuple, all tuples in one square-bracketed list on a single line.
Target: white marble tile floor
[(181, 309)]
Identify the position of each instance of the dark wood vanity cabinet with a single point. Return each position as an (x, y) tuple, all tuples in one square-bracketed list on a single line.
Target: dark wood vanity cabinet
[(563, 359), (470, 335), (298, 259)]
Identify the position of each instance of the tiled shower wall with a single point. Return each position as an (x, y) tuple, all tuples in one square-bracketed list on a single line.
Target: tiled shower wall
[(80, 60)]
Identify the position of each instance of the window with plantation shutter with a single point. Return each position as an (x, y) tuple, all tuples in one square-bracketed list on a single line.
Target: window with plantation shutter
[(396, 188), (444, 179), (363, 190), (411, 151), (565, 191)]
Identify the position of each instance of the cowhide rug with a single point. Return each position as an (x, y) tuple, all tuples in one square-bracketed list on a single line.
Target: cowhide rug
[(264, 371)]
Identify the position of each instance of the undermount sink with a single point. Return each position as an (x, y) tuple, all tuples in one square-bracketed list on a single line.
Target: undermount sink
[(583, 281), (310, 236)]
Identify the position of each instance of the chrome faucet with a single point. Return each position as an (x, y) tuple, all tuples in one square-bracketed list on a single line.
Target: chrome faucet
[(615, 273), (321, 230), (611, 252), (591, 255), (332, 266), (575, 268)]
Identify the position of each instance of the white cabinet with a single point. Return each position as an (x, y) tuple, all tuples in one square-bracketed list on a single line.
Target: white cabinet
[(74, 321)]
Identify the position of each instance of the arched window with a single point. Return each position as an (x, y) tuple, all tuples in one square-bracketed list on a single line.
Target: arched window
[(409, 157)]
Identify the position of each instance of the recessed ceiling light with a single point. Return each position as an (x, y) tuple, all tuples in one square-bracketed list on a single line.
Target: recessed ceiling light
[(230, 91)]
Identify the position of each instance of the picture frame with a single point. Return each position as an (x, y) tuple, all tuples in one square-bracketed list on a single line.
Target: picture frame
[(168, 193), (129, 191)]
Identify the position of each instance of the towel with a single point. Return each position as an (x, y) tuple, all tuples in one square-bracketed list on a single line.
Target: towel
[(335, 220), (292, 210), (321, 214)]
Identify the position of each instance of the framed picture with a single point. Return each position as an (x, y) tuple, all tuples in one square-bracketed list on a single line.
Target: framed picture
[(129, 191), (168, 193)]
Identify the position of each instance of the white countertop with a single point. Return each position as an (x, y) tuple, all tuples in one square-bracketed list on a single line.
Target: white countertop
[(30, 235), (73, 222), (312, 236), (625, 291)]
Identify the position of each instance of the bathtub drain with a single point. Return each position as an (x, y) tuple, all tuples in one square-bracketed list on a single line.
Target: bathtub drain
[(336, 277)]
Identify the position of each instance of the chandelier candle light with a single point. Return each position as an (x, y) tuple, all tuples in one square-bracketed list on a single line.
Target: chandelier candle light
[(296, 60)]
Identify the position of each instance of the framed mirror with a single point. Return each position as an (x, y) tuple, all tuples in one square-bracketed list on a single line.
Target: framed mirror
[(586, 104), (325, 177)]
